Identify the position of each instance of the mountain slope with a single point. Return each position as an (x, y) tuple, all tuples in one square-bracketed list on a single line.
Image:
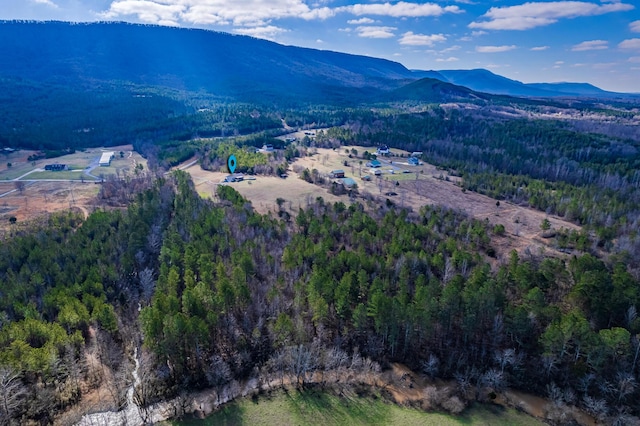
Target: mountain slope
[(434, 90), (577, 89), (194, 60)]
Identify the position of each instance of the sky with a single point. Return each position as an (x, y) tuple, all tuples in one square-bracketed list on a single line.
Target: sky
[(593, 41)]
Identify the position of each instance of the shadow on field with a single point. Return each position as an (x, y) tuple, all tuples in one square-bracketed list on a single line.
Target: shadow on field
[(321, 407)]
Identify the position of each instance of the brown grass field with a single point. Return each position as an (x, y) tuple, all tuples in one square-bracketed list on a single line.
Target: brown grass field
[(264, 190)]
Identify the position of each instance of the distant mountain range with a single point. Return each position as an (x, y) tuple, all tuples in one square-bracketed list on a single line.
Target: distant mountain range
[(237, 67), (482, 80)]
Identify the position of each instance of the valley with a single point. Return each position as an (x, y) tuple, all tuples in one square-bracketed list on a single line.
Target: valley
[(454, 240)]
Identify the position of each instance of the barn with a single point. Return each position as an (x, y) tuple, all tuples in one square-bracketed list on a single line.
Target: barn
[(105, 159)]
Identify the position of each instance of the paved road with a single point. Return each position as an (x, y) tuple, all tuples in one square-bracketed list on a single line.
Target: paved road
[(95, 163), (27, 174)]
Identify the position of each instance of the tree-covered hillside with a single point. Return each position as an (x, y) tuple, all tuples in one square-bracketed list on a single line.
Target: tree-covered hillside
[(212, 291), (237, 67)]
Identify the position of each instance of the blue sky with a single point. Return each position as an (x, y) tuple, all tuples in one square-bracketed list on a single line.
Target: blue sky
[(595, 41)]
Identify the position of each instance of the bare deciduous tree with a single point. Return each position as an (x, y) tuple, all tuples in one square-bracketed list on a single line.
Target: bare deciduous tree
[(20, 185), (12, 392), (431, 366)]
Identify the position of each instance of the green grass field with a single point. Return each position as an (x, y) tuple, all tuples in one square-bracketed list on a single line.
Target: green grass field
[(325, 409)]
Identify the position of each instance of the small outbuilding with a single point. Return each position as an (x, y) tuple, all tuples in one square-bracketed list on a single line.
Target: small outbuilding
[(349, 183), (336, 174)]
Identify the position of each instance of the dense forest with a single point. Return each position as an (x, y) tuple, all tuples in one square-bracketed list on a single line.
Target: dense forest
[(211, 291)]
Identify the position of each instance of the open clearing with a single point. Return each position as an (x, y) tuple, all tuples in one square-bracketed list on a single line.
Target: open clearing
[(408, 186), (264, 190), (41, 198), (326, 409), (27, 191)]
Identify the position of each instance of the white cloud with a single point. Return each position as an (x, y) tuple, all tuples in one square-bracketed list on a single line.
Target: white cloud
[(451, 49), (635, 59), (259, 13), (494, 49), (168, 23), (399, 10), (632, 43), (319, 41), (538, 14), (147, 11), (478, 33), (450, 59), (361, 21), (269, 32), (46, 2), (539, 48), (376, 32), (411, 39), (635, 26), (591, 45), (216, 12)]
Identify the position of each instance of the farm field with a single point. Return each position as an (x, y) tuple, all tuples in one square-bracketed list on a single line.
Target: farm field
[(28, 191)]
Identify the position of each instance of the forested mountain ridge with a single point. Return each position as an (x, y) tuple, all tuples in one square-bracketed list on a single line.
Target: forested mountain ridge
[(220, 64), (225, 65)]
